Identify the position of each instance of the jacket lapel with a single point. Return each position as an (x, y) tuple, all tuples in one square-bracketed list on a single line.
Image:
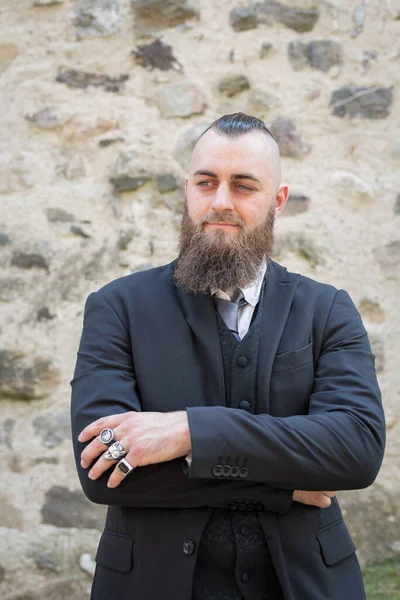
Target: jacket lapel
[(278, 296), (199, 313)]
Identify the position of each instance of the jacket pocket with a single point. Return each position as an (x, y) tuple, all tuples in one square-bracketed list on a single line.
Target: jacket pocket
[(335, 543), (115, 551), (293, 359)]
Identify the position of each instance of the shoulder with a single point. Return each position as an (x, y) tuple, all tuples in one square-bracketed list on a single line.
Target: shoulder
[(305, 285)]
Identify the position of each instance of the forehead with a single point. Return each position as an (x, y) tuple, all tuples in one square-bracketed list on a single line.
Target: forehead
[(250, 152)]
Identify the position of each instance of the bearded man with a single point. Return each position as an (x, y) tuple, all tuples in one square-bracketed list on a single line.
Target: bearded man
[(219, 402)]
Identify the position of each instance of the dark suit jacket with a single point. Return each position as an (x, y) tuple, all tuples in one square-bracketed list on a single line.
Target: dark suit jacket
[(148, 345)]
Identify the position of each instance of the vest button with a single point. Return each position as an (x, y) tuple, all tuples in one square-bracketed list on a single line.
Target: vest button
[(188, 547), (242, 361), (245, 576), (233, 505), (243, 404), (217, 470), (244, 472), (234, 471), (226, 470)]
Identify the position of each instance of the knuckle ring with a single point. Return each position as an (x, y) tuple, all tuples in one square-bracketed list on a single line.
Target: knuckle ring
[(107, 436), (115, 451), (125, 467)]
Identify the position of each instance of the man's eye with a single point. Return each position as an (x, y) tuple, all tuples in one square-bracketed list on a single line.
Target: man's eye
[(244, 187), (204, 183)]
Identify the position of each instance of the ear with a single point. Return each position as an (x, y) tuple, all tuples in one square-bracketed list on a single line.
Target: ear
[(186, 185), (282, 196)]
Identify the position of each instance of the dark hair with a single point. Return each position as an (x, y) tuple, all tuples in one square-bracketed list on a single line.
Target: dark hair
[(237, 124)]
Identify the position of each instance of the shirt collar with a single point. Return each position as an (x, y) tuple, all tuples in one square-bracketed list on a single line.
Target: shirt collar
[(251, 292)]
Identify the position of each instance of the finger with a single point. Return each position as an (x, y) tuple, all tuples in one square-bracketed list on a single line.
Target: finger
[(101, 466), (92, 450), (117, 476), (330, 494), (97, 426)]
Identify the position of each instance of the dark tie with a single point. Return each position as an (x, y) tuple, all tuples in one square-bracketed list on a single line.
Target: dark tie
[(229, 310)]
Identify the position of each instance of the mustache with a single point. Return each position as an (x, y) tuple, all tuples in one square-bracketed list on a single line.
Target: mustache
[(221, 218)]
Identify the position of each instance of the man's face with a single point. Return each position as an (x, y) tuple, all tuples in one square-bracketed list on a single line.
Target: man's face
[(233, 182)]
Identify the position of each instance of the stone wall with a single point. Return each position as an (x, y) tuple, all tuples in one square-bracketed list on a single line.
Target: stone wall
[(101, 102)]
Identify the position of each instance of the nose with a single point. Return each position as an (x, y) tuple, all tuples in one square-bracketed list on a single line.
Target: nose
[(222, 200)]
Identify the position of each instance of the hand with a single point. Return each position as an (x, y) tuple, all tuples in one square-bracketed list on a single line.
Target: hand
[(320, 499), (147, 437)]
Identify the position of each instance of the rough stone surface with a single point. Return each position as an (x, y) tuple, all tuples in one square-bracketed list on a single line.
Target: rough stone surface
[(153, 15), (29, 260), (298, 54), (128, 176), (44, 314), (97, 17), (52, 428), (233, 84), (26, 377), (47, 2), (4, 239), (180, 100), (65, 508), (261, 103), (59, 215), (352, 187), (371, 311), (301, 20), (79, 79), (265, 50), (8, 53), (319, 54), (397, 205), (186, 143), (296, 204), (166, 182), (358, 18), (156, 55), (289, 138), (363, 102), (44, 560), (242, 19)]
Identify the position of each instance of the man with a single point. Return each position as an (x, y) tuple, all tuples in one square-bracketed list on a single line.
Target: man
[(226, 385)]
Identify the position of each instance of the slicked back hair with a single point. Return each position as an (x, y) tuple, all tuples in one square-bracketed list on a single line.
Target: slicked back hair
[(237, 124)]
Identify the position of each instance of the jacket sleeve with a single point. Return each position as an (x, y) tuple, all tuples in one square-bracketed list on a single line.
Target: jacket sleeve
[(338, 445), (104, 383)]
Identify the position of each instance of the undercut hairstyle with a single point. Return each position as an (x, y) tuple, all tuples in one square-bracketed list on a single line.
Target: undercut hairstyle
[(237, 124)]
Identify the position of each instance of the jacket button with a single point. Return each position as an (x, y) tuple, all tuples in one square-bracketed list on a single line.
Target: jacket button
[(241, 506), (244, 472), (251, 507), (242, 361), (217, 470), (226, 471), (244, 405), (188, 547), (245, 576), (234, 471), (233, 505)]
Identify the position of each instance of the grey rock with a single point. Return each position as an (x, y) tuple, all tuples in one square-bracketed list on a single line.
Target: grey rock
[(368, 57), (26, 377), (301, 245), (242, 19), (29, 260), (125, 239), (48, 460), (324, 54), (233, 84), (352, 186), (296, 204), (175, 202), (4, 239), (371, 311), (2, 573), (47, 2), (108, 141), (180, 100), (44, 560), (47, 118), (64, 508), (395, 150), (358, 17), (299, 19), (79, 231), (81, 80), (266, 48), (186, 143), (166, 182), (260, 103), (58, 215), (289, 138), (397, 205), (10, 515), (44, 314), (156, 55), (389, 258), (10, 288), (153, 15), (97, 17), (128, 183), (8, 53), (298, 54), (378, 348), (127, 174), (364, 102), (52, 429), (6, 430)]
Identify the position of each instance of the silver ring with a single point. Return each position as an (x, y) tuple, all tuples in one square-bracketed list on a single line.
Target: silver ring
[(107, 436), (125, 467), (115, 451)]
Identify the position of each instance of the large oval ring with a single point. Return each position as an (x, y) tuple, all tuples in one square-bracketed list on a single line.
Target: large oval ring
[(115, 452), (107, 436)]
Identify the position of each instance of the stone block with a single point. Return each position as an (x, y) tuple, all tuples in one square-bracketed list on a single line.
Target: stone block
[(81, 80), (289, 138), (298, 54), (8, 53), (324, 54), (153, 15), (65, 508), (301, 20), (233, 84), (260, 103), (243, 19), (180, 100), (156, 55), (363, 102), (26, 376), (166, 182), (186, 143), (29, 260), (59, 215), (296, 204), (97, 17), (52, 428), (352, 187)]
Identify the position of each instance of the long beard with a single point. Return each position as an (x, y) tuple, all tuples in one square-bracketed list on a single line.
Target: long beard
[(212, 260)]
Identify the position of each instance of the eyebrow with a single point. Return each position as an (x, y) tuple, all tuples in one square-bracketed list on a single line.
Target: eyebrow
[(234, 177)]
